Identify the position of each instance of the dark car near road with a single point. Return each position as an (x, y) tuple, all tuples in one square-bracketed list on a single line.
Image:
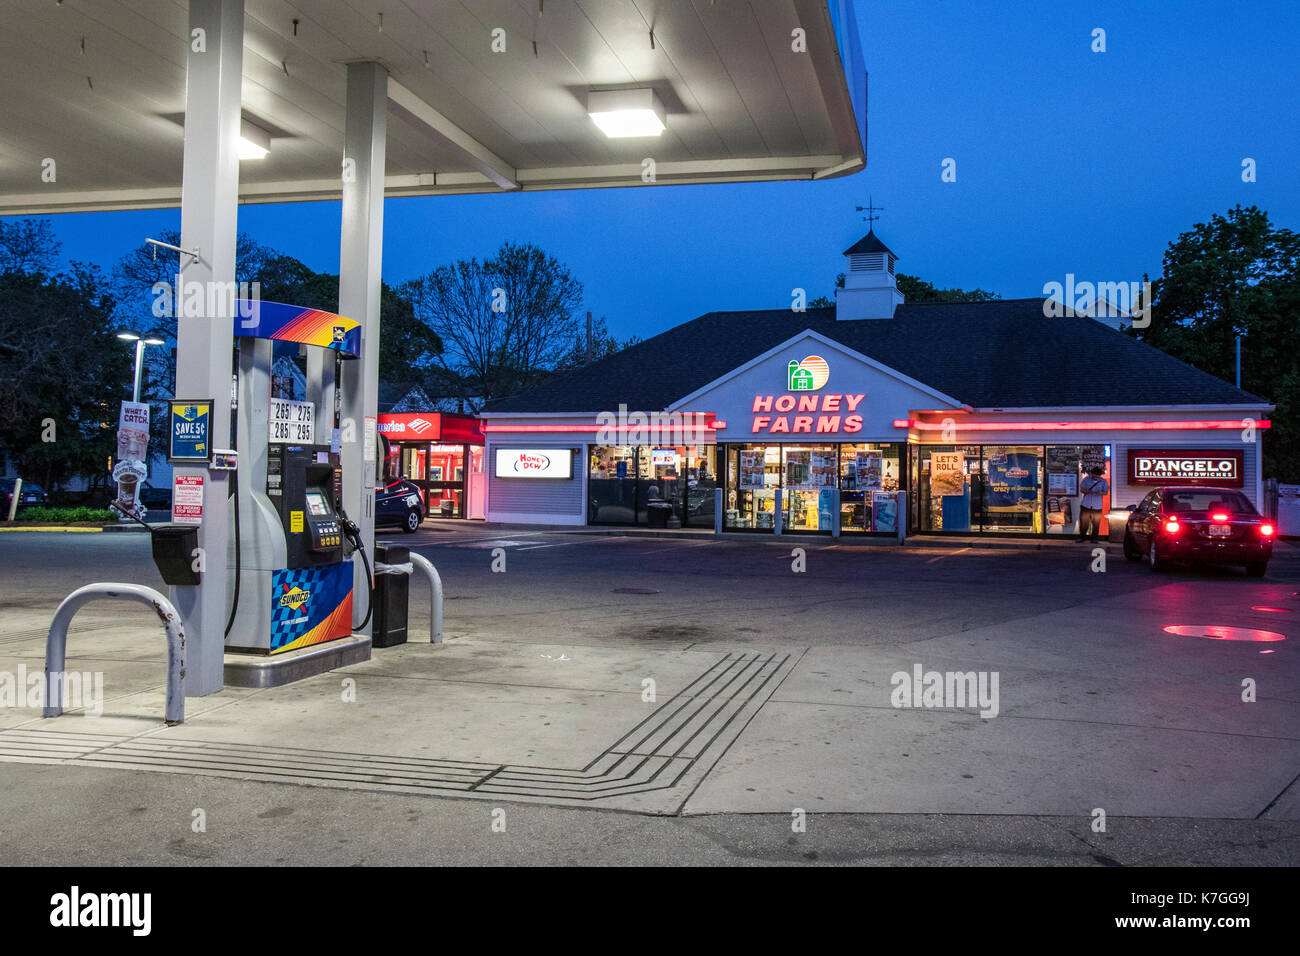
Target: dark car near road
[(32, 495), (155, 499), (399, 503), (1197, 525)]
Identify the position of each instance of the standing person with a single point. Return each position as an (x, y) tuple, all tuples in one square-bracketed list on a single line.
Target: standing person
[(1093, 487)]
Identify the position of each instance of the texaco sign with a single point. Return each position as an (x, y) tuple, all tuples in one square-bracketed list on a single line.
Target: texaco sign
[(1182, 466)]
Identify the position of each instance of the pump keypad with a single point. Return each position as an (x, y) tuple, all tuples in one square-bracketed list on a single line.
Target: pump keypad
[(325, 535)]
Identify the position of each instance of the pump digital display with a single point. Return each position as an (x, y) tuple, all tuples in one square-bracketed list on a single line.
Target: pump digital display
[(316, 504)]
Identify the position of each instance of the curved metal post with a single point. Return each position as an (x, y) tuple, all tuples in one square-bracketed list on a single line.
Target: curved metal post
[(56, 644), (435, 599)]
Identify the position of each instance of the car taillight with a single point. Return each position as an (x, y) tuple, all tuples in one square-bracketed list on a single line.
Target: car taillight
[(1219, 516), (1266, 530), (1172, 526)]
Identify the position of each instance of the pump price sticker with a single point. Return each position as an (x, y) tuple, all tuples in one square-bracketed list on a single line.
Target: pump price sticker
[(292, 422)]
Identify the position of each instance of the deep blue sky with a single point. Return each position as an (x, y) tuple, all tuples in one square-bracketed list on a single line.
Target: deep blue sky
[(1067, 161)]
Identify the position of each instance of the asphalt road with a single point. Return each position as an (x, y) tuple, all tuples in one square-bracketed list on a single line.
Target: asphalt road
[(639, 593)]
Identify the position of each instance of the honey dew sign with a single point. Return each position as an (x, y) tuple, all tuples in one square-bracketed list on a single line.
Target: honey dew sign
[(1221, 468), (534, 463)]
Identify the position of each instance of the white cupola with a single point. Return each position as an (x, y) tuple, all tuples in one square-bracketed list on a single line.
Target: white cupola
[(870, 291)]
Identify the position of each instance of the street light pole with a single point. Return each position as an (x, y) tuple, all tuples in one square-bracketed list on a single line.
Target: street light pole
[(139, 363)]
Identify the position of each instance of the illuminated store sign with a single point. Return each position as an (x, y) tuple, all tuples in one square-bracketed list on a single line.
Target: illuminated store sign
[(806, 414), (534, 463), (1198, 466)]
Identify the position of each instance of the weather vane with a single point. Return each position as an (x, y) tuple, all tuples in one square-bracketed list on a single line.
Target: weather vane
[(870, 211)]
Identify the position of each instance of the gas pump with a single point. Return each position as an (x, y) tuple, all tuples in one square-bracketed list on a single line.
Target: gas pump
[(291, 542)]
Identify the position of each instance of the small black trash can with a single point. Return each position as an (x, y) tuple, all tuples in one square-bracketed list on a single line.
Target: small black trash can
[(658, 513), (173, 551), (392, 591)]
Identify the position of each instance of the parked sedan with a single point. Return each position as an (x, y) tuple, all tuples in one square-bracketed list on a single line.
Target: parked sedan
[(399, 503), (1199, 525), (32, 495)]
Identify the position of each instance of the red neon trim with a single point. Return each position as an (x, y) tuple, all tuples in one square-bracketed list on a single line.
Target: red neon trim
[(703, 430), (903, 423), (1090, 426)]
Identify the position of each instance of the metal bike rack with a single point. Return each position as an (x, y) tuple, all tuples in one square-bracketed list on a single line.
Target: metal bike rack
[(56, 644), (435, 599)]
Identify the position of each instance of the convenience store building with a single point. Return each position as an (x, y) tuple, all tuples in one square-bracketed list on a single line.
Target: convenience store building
[(986, 414)]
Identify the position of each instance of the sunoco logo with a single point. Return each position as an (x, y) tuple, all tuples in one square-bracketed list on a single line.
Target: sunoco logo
[(294, 597), (527, 463)]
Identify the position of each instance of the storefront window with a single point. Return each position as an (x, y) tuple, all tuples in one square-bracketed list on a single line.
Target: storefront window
[(810, 475), (1066, 467), (869, 477), (701, 484), (1012, 488), (753, 475), (945, 487), (611, 485)]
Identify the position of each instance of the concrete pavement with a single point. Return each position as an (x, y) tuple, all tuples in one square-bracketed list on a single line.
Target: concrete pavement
[(740, 687)]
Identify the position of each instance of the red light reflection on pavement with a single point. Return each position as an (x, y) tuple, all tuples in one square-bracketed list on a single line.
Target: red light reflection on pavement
[(1270, 609), (1217, 632)]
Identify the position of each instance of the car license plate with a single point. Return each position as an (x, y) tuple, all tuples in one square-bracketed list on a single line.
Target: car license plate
[(1220, 530)]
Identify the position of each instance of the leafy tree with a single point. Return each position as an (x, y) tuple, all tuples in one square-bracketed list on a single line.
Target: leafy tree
[(65, 374), (506, 323), (1237, 275), (916, 291)]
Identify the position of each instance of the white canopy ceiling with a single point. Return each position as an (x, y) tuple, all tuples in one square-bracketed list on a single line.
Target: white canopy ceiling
[(741, 104)]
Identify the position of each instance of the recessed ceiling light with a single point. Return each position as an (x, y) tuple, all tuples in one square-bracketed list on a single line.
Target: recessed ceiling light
[(621, 114), (254, 142)]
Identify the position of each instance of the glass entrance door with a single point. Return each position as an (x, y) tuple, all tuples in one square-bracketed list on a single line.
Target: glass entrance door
[(810, 474)]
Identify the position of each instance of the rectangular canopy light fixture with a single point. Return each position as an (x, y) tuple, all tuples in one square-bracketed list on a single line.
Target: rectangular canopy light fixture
[(625, 113), (254, 142)]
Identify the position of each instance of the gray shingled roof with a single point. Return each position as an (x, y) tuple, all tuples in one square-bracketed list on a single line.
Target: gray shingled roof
[(868, 243), (998, 354)]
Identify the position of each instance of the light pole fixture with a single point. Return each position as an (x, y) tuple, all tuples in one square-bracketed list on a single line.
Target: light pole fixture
[(623, 114), (140, 341)]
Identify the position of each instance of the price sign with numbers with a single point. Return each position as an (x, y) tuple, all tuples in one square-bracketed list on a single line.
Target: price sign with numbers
[(292, 422)]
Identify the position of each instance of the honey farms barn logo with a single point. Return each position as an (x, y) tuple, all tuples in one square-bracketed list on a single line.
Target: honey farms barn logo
[(293, 597), (808, 375)]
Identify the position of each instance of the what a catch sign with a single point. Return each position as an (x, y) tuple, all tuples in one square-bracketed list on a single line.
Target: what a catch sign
[(1196, 466), (190, 430)]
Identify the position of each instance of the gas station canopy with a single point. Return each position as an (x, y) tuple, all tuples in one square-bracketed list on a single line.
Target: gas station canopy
[(484, 96)]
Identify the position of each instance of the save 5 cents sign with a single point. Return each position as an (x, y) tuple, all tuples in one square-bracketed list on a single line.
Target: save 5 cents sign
[(534, 463)]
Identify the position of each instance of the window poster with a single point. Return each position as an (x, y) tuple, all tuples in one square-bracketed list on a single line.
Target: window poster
[(1012, 479), (946, 477), (868, 468), (751, 469), (1063, 465), (823, 469), (798, 469), (884, 511), (1092, 456)]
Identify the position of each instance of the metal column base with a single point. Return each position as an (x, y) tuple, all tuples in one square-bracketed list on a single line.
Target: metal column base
[(255, 670)]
